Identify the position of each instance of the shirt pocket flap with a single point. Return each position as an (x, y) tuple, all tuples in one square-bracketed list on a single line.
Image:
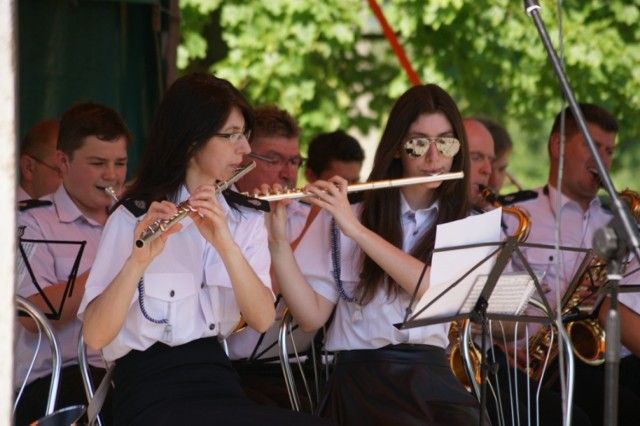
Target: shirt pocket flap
[(169, 286)]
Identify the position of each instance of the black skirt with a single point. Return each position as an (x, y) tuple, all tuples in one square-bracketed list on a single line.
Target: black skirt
[(398, 385), (189, 384)]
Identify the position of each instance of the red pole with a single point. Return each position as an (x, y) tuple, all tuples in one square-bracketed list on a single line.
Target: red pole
[(393, 40)]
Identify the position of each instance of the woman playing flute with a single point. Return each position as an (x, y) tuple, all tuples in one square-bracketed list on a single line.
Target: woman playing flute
[(371, 266), (159, 310)]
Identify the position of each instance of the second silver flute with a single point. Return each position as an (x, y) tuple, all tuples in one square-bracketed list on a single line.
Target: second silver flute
[(392, 183), (156, 229)]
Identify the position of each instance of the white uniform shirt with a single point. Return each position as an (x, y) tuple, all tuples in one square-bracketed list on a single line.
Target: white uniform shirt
[(370, 326), (187, 284), (52, 264), (243, 344)]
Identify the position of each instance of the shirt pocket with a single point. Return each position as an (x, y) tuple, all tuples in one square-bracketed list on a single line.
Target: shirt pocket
[(171, 297)]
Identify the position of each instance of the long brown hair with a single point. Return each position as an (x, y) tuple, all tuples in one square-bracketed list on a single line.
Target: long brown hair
[(381, 209)]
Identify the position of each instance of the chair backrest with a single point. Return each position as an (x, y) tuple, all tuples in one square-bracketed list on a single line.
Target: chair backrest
[(23, 305), (288, 349), (507, 400), (99, 395)]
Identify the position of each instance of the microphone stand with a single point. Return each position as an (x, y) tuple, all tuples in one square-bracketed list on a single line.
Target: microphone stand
[(623, 231)]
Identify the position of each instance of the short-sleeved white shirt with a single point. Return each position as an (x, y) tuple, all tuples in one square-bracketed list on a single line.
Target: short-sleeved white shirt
[(187, 284), (370, 326), (52, 264)]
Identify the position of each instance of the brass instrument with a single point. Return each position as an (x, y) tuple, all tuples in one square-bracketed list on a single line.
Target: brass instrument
[(632, 199), (456, 362), (513, 181), (158, 227), (297, 193), (474, 355), (587, 336), (524, 220)]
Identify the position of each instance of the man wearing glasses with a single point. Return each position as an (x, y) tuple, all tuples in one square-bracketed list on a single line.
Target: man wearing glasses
[(275, 147), (39, 174)]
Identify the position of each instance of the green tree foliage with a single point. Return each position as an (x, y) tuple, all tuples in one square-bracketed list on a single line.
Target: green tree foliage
[(328, 63)]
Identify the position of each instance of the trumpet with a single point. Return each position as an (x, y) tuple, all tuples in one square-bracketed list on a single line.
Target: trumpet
[(297, 193), (158, 227)]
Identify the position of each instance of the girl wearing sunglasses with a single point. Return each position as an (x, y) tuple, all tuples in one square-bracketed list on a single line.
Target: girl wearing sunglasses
[(366, 260)]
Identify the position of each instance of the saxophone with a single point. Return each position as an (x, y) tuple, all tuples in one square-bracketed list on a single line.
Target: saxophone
[(586, 335), (456, 362)]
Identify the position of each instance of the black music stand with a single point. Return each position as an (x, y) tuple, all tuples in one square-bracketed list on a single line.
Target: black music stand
[(480, 313), (53, 313)]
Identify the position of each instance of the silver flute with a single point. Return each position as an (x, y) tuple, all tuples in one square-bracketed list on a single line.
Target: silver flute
[(158, 227), (296, 193)]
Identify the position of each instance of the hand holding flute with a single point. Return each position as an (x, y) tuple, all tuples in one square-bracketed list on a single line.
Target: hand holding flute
[(155, 229)]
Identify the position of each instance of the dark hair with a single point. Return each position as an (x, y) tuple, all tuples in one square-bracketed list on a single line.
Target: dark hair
[(381, 209), (270, 121), (592, 114), (327, 147), (501, 140), (90, 119), (41, 138), (194, 108)]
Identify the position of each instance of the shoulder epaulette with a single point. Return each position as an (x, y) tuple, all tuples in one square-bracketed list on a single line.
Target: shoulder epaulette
[(517, 197), (137, 205), (31, 204), (355, 197), (477, 210), (237, 198)]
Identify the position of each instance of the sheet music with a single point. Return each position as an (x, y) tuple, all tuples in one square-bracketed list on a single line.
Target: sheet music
[(509, 297), (448, 266), (29, 249)]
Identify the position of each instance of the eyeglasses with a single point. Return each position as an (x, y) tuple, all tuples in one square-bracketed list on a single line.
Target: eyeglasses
[(48, 166), (276, 160), (417, 147), (235, 136)]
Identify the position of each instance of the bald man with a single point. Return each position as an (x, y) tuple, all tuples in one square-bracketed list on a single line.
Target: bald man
[(481, 155), (39, 173)]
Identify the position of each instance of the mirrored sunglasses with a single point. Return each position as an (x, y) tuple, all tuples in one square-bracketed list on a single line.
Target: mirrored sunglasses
[(417, 147)]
